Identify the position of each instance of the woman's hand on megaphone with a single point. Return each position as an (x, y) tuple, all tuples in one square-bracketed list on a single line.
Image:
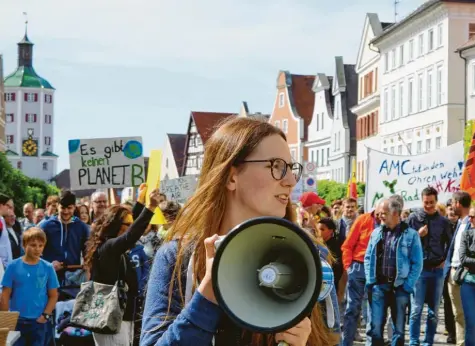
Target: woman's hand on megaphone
[(296, 336), (206, 285)]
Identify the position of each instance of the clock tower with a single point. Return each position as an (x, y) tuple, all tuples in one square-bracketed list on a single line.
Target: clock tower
[(29, 117)]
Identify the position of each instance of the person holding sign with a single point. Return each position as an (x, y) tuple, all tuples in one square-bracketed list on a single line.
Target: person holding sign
[(247, 172), (112, 236)]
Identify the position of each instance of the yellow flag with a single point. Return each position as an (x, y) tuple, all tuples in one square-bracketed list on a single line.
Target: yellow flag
[(153, 182)]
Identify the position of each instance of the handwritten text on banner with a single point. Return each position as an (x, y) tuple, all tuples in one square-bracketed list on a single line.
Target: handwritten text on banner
[(409, 175), (106, 162)]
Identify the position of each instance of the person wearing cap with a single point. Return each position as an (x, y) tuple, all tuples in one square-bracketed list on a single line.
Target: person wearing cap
[(313, 206), (66, 235)]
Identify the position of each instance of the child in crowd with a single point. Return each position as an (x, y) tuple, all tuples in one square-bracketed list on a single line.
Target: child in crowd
[(30, 286)]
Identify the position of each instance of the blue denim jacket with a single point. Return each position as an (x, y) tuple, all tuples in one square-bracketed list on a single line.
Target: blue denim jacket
[(409, 258)]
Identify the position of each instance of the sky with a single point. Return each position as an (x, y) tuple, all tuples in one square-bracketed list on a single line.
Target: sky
[(123, 68)]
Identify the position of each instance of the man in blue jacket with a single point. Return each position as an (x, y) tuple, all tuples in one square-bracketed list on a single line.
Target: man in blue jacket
[(435, 233), (392, 263), (66, 236)]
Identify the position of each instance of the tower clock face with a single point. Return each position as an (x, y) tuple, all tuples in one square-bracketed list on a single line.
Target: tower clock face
[(30, 147)]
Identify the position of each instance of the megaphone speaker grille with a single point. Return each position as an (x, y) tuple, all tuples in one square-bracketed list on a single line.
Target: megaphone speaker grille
[(243, 290)]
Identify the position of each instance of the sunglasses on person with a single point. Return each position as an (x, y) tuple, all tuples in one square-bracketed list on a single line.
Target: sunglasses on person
[(278, 168)]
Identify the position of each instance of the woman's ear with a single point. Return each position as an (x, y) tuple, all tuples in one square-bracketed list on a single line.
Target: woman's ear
[(232, 181)]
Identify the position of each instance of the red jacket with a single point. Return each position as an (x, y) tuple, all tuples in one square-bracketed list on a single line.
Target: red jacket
[(354, 247)]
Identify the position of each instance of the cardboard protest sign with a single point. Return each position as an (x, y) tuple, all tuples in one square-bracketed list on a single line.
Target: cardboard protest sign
[(106, 163)]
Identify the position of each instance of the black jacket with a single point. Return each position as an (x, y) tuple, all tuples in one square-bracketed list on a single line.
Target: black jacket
[(107, 260), (16, 247), (467, 250)]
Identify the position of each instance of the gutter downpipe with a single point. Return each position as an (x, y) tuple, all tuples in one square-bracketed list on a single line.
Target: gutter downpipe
[(465, 89)]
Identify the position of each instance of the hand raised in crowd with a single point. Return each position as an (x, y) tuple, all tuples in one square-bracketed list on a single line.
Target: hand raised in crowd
[(296, 336), (423, 231), (142, 194), (57, 265), (154, 199), (206, 285)]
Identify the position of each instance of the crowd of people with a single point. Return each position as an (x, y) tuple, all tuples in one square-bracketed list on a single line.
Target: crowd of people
[(387, 262)]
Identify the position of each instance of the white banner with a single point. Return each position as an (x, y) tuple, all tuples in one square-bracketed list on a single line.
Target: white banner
[(407, 176), (106, 162)]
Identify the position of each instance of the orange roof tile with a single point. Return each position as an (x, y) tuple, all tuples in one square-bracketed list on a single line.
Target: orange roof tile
[(207, 122)]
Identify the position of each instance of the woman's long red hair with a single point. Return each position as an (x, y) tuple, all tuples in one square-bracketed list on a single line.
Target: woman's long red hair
[(202, 215)]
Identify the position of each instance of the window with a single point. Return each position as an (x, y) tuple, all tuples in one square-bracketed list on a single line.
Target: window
[(439, 85), (30, 118), (45, 166), (410, 95), (401, 99), (323, 156), (385, 104), (318, 158), (31, 97), (10, 139), (431, 40), (391, 150), (48, 118), (200, 162), (368, 84), (421, 45), (328, 156), (318, 122), (427, 145), (393, 102), (399, 149), (420, 95), (48, 141), (411, 50), (285, 125), (321, 123), (386, 62), (281, 100), (334, 142), (419, 147), (9, 118), (193, 141), (401, 55), (430, 98), (48, 98), (440, 33), (337, 109), (19, 165), (385, 150), (277, 124), (9, 97), (438, 141), (166, 163), (471, 30), (393, 58), (409, 148)]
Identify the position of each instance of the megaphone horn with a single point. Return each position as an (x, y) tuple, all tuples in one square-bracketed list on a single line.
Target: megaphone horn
[(267, 275)]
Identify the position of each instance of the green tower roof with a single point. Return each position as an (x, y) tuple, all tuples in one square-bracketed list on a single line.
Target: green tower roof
[(25, 76)]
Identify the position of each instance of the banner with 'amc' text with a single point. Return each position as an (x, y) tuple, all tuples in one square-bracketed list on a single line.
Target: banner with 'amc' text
[(407, 176)]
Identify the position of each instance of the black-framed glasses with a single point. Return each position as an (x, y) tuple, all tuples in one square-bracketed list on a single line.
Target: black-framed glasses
[(278, 168)]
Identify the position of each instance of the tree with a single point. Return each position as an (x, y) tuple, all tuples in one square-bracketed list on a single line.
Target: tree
[(331, 191), (22, 188)]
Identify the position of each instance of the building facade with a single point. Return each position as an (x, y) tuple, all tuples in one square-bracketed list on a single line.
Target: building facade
[(173, 156), (244, 112), (29, 116), (343, 127), (420, 73), (2, 108), (467, 53), (367, 108), (293, 110), (200, 128), (319, 130)]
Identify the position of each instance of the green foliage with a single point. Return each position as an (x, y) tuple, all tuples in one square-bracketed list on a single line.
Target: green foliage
[(330, 190), (22, 188)]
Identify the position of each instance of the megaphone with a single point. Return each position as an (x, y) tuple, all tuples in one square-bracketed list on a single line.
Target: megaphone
[(267, 275)]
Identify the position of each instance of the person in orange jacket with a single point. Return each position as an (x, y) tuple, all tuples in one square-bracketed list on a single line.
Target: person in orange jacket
[(353, 252)]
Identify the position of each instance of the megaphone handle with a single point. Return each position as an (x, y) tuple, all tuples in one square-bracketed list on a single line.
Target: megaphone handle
[(283, 343)]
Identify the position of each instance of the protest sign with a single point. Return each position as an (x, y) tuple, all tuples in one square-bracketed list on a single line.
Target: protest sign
[(106, 163), (180, 189), (407, 176)]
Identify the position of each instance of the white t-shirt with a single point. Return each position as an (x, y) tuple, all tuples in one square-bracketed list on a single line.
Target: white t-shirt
[(458, 239)]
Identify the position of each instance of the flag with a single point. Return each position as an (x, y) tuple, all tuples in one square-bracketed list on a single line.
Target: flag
[(467, 182), (352, 189)]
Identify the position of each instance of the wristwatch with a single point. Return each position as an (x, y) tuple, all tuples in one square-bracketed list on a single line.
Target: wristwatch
[(46, 316)]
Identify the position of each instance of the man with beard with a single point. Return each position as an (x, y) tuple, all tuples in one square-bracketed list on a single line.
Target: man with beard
[(66, 236)]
